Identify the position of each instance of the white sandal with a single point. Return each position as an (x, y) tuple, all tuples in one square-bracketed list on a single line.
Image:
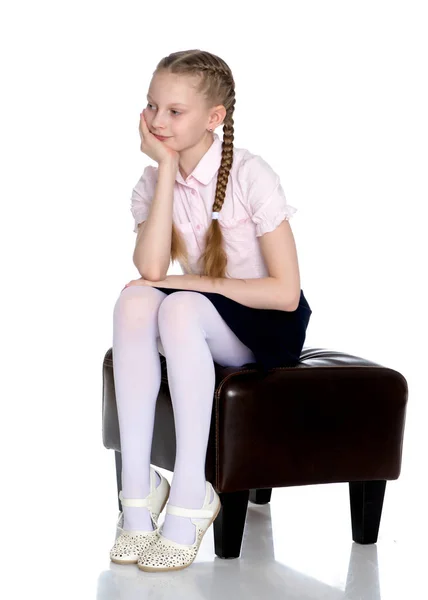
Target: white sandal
[(130, 544), (167, 555)]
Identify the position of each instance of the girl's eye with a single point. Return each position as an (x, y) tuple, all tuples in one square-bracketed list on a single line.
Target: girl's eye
[(174, 111)]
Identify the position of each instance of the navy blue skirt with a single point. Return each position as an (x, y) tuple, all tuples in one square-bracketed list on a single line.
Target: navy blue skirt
[(276, 337)]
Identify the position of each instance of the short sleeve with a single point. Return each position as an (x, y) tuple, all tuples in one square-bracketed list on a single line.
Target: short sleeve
[(142, 195), (264, 195)]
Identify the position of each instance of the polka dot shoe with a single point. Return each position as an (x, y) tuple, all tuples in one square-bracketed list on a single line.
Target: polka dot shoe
[(167, 555), (129, 545)]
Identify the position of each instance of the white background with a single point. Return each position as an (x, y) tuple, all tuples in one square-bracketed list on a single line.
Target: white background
[(332, 94)]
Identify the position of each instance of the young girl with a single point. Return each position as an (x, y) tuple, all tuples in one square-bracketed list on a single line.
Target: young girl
[(221, 212)]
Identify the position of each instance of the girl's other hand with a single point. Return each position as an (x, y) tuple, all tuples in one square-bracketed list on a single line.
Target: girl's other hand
[(153, 147), (168, 282), (140, 281)]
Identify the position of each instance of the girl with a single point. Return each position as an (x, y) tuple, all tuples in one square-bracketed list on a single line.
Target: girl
[(221, 212)]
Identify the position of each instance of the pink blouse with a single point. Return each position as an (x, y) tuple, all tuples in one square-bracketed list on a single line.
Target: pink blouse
[(254, 204)]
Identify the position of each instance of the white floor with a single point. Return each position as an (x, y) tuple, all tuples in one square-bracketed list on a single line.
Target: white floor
[(297, 547), (59, 500)]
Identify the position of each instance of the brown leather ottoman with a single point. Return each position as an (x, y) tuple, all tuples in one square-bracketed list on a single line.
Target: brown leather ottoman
[(332, 418)]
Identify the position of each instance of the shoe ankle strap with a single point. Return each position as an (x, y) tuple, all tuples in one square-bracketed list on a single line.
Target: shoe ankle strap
[(196, 513), (136, 502)]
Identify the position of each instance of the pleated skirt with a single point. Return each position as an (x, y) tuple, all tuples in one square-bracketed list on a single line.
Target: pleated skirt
[(276, 337)]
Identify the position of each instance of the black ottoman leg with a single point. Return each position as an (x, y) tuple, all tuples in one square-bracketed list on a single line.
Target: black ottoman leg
[(366, 509), (118, 459), (261, 496), (229, 524)]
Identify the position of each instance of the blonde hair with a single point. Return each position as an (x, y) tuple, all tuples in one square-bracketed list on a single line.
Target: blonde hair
[(218, 87)]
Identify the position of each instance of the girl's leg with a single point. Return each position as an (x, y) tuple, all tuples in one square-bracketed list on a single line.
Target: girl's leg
[(193, 335), (137, 378)]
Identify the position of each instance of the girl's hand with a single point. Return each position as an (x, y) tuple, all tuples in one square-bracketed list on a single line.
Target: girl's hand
[(140, 281), (153, 147), (164, 283)]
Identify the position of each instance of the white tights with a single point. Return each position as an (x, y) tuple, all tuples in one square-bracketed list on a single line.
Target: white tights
[(187, 329)]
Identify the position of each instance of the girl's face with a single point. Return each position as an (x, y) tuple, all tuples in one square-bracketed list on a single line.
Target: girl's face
[(175, 111)]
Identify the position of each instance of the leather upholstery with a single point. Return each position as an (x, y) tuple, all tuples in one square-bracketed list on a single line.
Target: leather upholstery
[(332, 418)]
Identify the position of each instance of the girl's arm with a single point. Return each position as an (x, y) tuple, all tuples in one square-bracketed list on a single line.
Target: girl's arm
[(152, 254), (279, 291), (262, 292)]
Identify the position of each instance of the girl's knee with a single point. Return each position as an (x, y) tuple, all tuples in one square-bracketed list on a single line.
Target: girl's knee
[(179, 309), (138, 302)]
